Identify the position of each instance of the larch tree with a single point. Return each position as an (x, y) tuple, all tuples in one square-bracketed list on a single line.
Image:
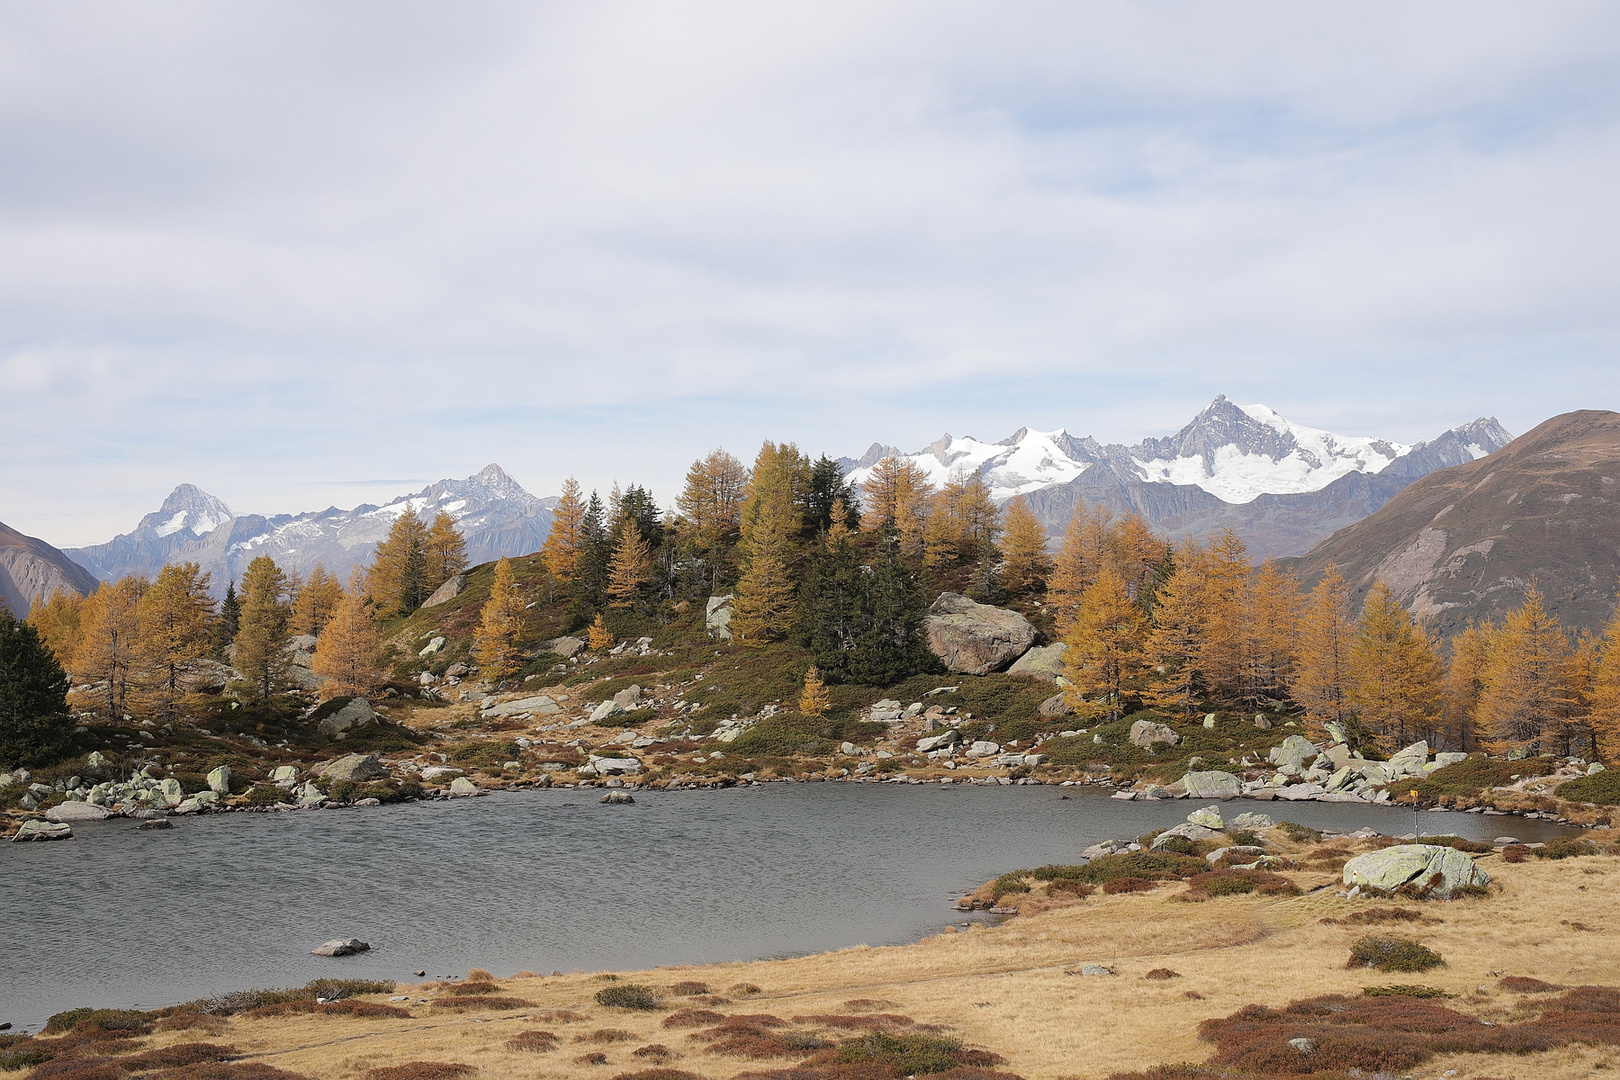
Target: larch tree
[(346, 651), (1087, 547), (1470, 654), (1395, 678), (57, 622), (316, 602), (1519, 700), (1225, 656), (495, 643), (1142, 555), (176, 615), (814, 700), (898, 490), (261, 640), (1025, 564), (1326, 631), (398, 576), (1605, 696), (109, 644), (598, 636), (631, 567), (963, 523), (710, 511), (765, 590), (1175, 645), (839, 531), (445, 552), (1274, 630), (560, 552), (1106, 656)]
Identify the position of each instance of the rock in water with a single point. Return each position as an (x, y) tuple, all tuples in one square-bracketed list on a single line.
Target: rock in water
[(43, 830), (77, 811), (617, 798), (975, 639), (357, 767), (1146, 733), (1440, 870), (463, 786), (341, 947), (156, 823), (1209, 817), (1211, 785)]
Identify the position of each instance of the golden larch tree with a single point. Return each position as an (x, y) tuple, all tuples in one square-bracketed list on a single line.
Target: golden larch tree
[(631, 566), (839, 530), (1395, 677), (1605, 694), (765, 590), (1087, 547), (1106, 656), (176, 614), (898, 491), (1326, 631), (814, 700), (316, 602), (265, 628), (1274, 630), (1520, 696), (1025, 564), (1174, 646), (346, 652), (598, 636), (1470, 653), (495, 642), (560, 552), (1224, 648), (57, 621), (109, 647), (398, 575), (445, 550)]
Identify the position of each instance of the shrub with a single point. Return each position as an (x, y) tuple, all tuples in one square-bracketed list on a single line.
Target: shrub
[(1299, 833), (268, 795), (693, 1018), (1009, 884), (1565, 849), (537, 1041), (1393, 954), (629, 996), (1405, 990), (1474, 775), (479, 1001), (368, 1010), (1523, 984), (867, 1022), (1162, 973), (1246, 837), (913, 1055), (606, 1035), (132, 1020), (1472, 847), (1600, 789), (658, 1074), (1140, 864), (689, 989), (744, 990), (1516, 853), (596, 1057), (25, 1056), (1129, 885), (653, 1052), (1071, 887), (420, 1070)]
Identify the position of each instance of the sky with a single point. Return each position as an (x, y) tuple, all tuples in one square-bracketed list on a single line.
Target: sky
[(312, 254)]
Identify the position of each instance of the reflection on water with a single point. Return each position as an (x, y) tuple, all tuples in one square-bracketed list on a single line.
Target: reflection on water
[(544, 880)]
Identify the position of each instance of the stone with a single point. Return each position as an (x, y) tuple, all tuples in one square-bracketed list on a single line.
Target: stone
[(1408, 761), (1186, 831), (203, 676), (617, 798), (1453, 757), (611, 766), (607, 710), (95, 760), (219, 780), (357, 713), (434, 773), (565, 647), (1261, 722), (983, 748), (1096, 969), (1056, 705), (341, 947), (457, 670), (971, 638), (300, 677), (1235, 851), (1303, 1045), (285, 774), (1337, 731), (1292, 752), (42, 830), (1441, 870), (71, 812), (1301, 792), (1209, 817), (206, 798), (887, 711), (155, 823), (628, 698), (717, 616), (1107, 847), (1338, 754), (1504, 841), (1041, 662), (356, 767), (447, 592), (1146, 733), (943, 740), (540, 704), (1035, 759), (463, 786), (1212, 784), (1209, 722), (432, 647)]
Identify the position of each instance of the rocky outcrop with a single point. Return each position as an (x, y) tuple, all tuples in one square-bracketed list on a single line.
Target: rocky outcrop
[(1212, 784), (1041, 662), (1439, 871), (42, 830), (1146, 733), (341, 947), (717, 616), (356, 767), (971, 638), (357, 713), (448, 591), (74, 812)]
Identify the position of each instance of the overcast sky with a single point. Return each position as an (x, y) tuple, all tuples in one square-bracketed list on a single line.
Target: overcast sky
[(324, 253)]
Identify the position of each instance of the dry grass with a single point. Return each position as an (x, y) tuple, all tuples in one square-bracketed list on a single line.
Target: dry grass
[(1007, 989)]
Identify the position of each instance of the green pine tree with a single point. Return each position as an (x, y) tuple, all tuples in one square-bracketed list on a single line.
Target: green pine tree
[(34, 718), (230, 620)]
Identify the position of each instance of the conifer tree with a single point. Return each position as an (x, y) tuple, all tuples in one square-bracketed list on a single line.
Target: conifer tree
[(898, 491), (710, 512), (1470, 653), (1394, 675), (1519, 701), (346, 651), (398, 580), (1274, 631), (1575, 682), (445, 552), (833, 607), (814, 700), (175, 616), (1142, 556), (109, 643), (765, 590), (316, 602), (57, 622), (1174, 646), (889, 645), (1327, 630), (631, 566), (599, 637), (1105, 659), (1225, 654), (560, 553), (34, 718), (1087, 546), (261, 639), (1025, 564), (495, 643), (830, 500), (230, 620), (839, 531), (1605, 695)]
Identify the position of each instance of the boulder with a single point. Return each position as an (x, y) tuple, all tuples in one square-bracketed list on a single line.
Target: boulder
[(886, 711), (1107, 847), (1453, 757), (174, 794), (1187, 831), (1213, 784), (565, 647), (1440, 870), (434, 773), (617, 798), (1337, 731), (942, 741), (540, 704), (357, 713), (983, 748), (300, 649), (1041, 662), (1408, 761), (341, 947), (202, 676), (356, 767), (615, 766), (463, 786), (43, 830), (1146, 733), (717, 616), (1056, 705), (219, 780), (1243, 852), (74, 812), (447, 592), (629, 698), (1209, 817), (285, 774), (607, 710), (1261, 722), (302, 678), (432, 647), (1293, 751), (971, 638)]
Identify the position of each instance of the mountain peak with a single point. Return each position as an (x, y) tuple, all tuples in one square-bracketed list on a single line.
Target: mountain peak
[(187, 507)]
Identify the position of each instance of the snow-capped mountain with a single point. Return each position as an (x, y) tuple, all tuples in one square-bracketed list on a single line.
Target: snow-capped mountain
[(495, 514), (1228, 458)]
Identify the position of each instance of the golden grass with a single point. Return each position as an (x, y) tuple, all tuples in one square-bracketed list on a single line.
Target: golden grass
[(1017, 990)]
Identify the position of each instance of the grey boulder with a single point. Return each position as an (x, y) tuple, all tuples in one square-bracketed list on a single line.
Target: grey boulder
[(1440, 870), (1042, 662), (73, 812), (1186, 831), (356, 767), (1146, 733), (341, 947), (357, 713), (717, 616), (463, 786), (447, 592), (43, 830), (971, 638), (219, 780), (1212, 784)]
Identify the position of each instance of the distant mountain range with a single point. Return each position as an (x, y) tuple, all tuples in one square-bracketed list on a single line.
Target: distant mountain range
[(1281, 486), (495, 514), (1463, 543), (31, 568)]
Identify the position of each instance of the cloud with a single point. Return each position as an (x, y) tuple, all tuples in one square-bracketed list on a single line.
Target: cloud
[(261, 247)]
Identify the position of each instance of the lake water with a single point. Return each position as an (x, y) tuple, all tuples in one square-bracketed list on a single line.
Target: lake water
[(546, 880)]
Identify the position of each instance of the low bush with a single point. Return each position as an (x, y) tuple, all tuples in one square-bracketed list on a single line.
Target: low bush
[(1405, 990), (1009, 884), (693, 1018), (479, 1001), (606, 1035), (1299, 833), (1234, 882), (420, 1070), (1393, 954), (912, 1055), (658, 1074), (23, 1056), (1070, 887), (1116, 886), (653, 1052), (1524, 984), (864, 1022), (1472, 847), (1246, 837), (595, 1057), (537, 1041), (1565, 849), (1474, 775), (242, 1001), (689, 989), (1140, 864), (1162, 973), (1516, 853), (628, 996), (268, 795), (368, 1010), (1600, 789), (85, 1019)]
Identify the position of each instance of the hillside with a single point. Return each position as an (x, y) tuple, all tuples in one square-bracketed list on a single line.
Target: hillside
[(1462, 543), (30, 568)]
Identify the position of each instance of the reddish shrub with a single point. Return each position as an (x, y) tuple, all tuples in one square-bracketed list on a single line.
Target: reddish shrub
[(658, 1074), (1162, 973), (692, 1018), (538, 1041), (559, 1016), (869, 1022), (1515, 853), (606, 1035), (343, 1007), (598, 1058), (689, 989), (1524, 984), (226, 1070), (488, 1001), (653, 1052), (1128, 885), (420, 1070)]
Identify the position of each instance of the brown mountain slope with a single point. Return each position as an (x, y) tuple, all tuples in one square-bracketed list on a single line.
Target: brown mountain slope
[(31, 568), (1462, 543)]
